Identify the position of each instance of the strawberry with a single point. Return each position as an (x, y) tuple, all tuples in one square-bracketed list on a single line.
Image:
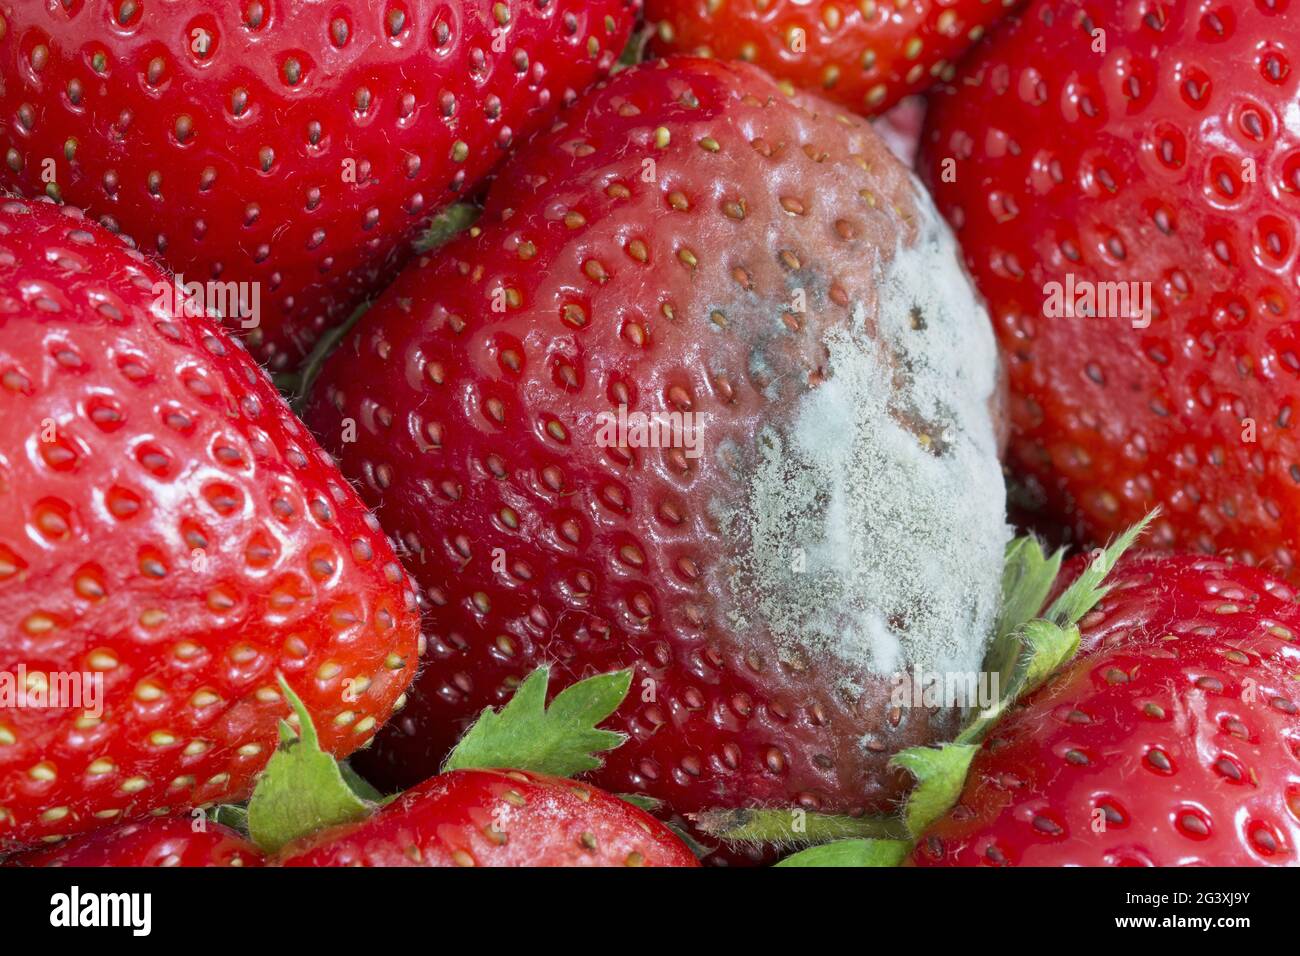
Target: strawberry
[(689, 242), (1173, 740), (498, 818), (865, 55), (170, 536), (1140, 155), (164, 841), (290, 149)]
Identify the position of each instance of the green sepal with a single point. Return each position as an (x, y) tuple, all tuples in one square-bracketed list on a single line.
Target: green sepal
[(873, 853), (1028, 574), (1082, 596), (302, 789), (561, 740), (940, 774)]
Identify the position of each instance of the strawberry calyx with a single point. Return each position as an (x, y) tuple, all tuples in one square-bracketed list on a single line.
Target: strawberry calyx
[(1029, 647), (304, 789)]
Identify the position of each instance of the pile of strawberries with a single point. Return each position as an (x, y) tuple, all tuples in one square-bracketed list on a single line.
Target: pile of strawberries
[(547, 432)]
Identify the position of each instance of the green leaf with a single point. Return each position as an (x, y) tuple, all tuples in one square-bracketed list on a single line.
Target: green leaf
[(561, 740), (792, 826), (875, 853), (940, 774), (1027, 578), (1082, 596), (302, 789)]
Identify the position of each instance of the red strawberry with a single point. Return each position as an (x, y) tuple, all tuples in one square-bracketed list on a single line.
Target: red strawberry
[(498, 818), (689, 240), (1133, 143), (1173, 740), (866, 55), (280, 143), (170, 530), (167, 841)]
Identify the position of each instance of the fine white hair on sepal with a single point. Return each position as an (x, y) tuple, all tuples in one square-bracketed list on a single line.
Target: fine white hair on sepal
[(873, 531)]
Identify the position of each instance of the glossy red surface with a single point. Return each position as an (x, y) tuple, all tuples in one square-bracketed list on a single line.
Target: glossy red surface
[(169, 528)]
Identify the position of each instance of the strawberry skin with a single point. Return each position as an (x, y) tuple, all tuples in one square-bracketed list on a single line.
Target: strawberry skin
[(864, 55), (165, 841), (1169, 158), (276, 142), (646, 253), (1173, 740), (170, 528), (498, 818)]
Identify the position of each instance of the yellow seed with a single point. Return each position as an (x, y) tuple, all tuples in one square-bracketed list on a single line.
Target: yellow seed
[(38, 624), (152, 617)]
